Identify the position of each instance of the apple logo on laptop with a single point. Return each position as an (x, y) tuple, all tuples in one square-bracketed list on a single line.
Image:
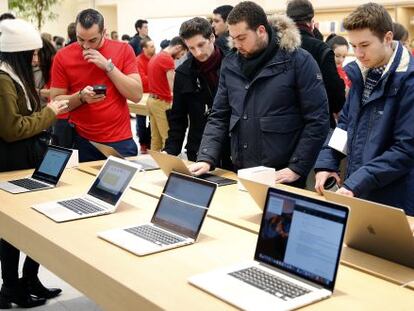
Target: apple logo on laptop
[(371, 230)]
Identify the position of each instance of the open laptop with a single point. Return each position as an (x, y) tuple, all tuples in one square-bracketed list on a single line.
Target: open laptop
[(296, 259), (177, 219), (103, 197), (257, 191), (145, 161), (169, 163), (45, 176), (377, 229)]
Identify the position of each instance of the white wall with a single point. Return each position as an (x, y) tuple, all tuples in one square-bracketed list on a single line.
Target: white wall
[(4, 5), (128, 11)]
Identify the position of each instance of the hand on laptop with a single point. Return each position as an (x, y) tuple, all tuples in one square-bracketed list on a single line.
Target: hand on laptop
[(199, 168), (286, 175), (321, 177), (345, 191)]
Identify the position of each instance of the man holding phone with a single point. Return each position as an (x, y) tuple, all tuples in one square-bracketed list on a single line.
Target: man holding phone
[(97, 76)]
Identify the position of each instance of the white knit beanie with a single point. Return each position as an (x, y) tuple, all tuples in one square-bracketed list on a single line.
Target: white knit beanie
[(17, 35)]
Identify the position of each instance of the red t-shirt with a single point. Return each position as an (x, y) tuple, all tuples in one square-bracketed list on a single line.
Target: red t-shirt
[(142, 64), (157, 75), (342, 74), (107, 120)]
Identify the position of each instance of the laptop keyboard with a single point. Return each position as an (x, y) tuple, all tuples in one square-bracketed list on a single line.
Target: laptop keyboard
[(28, 183), (80, 206), (270, 283), (154, 235)]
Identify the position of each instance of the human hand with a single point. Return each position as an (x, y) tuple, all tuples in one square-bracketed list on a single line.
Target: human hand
[(89, 96), (95, 57), (44, 93), (199, 168), (286, 175), (345, 191), (321, 177), (59, 106)]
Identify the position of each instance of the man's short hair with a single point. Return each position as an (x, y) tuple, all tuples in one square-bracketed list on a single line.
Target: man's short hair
[(300, 11), (250, 13), (89, 17), (125, 37), (372, 16), (139, 23), (196, 26), (72, 31), (400, 32), (178, 41), (223, 11), (144, 42)]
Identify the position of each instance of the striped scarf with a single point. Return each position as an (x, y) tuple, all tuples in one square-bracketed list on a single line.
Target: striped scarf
[(371, 80)]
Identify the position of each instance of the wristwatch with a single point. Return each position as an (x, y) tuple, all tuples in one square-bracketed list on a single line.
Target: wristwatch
[(110, 66)]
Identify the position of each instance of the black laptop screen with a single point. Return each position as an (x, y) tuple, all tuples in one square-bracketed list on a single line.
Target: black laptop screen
[(112, 181), (53, 164), (303, 236), (183, 204)]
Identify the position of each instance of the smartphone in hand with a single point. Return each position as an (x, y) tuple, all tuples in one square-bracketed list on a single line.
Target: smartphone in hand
[(99, 89)]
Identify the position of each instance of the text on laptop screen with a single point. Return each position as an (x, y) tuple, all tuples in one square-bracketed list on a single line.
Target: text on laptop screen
[(53, 164), (112, 181), (183, 205), (302, 237)]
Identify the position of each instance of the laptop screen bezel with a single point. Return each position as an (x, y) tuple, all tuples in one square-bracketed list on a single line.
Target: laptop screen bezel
[(93, 191), (180, 230), (295, 196), (49, 178)]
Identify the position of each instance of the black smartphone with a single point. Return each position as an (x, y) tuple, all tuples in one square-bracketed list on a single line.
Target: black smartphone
[(99, 89)]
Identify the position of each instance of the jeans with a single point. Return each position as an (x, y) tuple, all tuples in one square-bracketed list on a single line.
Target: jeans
[(87, 152), (143, 132)]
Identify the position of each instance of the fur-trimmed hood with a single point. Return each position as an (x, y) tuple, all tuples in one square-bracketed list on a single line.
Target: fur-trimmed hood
[(285, 30)]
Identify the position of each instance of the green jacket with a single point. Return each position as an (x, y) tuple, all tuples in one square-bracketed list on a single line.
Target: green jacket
[(20, 146), (16, 121)]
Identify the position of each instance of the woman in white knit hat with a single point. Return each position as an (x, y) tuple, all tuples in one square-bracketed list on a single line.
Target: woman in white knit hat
[(22, 121)]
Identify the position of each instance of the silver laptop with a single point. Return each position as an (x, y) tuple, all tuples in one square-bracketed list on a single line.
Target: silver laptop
[(176, 222), (146, 161), (45, 176), (169, 163), (103, 197), (377, 229), (296, 259)]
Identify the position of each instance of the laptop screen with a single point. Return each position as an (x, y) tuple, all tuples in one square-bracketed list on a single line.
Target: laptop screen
[(183, 204), (53, 164), (302, 236), (112, 181)]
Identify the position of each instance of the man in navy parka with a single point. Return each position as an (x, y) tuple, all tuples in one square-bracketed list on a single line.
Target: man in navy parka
[(378, 115)]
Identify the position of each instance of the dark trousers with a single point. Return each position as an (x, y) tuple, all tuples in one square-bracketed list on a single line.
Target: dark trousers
[(143, 131), (9, 257), (87, 152), (62, 132)]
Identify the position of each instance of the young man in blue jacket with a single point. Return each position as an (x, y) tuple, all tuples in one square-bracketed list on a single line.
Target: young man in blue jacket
[(378, 115), (270, 98)]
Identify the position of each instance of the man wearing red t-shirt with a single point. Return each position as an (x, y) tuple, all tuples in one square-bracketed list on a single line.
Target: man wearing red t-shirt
[(97, 60), (160, 83), (144, 132)]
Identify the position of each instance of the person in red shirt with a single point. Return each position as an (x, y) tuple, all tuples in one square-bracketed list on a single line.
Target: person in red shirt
[(160, 84), (340, 47), (97, 60), (143, 131)]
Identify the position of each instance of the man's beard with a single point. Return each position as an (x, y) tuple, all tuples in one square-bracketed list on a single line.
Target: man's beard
[(261, 46)]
